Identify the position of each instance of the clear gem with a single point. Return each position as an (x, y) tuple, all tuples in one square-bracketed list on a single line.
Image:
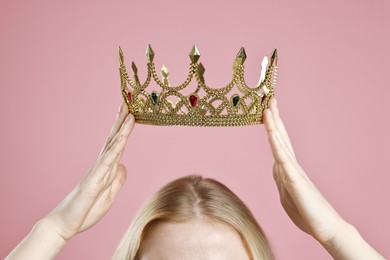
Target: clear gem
[(164, 71)]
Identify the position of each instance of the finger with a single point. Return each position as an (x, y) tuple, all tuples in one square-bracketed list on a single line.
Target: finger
[(121, 116), (108, 178), (119, 181), (105, 199), (289, 171), (279, 150), (114, 151), (279, 124), (276, 178), (125, 129), (110, 192)]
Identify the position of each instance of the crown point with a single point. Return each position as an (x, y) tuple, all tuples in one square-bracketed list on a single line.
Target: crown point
[(264, 64), (201, 71), (121, 57), (274, 58), (134, 67), (194, 54), (149, 53), (164, 71), (241, 56)]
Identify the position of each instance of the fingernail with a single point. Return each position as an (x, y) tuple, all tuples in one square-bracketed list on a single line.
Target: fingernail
[(128, 118), (120, 109), (274, 101), (268, 112)]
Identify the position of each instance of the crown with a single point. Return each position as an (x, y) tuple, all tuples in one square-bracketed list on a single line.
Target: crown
[(197, 104)]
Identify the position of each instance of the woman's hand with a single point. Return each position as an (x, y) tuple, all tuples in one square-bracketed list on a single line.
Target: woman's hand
[(93, 196), (301, 200), (86, 204), (304, 203)]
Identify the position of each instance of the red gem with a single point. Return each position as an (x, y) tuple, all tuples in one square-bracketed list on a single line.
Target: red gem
[(193, 100), (130, 97)]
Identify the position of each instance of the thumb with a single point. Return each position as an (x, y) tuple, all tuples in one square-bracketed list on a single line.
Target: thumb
[(119, 181)]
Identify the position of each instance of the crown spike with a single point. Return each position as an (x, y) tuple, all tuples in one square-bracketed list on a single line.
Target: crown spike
[(149, 53), (194, 54), (164, 71), (264, 64), (201, 70), (241, 56), (274, 58), (121, 56), (134, 68)]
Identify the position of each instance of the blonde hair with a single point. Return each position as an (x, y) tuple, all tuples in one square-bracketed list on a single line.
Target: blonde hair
[(191, 197)]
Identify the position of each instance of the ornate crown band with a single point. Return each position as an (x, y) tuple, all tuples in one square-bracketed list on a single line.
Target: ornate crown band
[(236, 104)]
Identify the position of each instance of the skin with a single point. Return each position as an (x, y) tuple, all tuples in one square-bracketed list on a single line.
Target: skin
[(198, 239), (93, 196)]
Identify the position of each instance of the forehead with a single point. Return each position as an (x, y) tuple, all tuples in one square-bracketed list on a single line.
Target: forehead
[(194, 240)]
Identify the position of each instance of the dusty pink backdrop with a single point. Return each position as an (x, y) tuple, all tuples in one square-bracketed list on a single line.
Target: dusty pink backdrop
[(60, 92)]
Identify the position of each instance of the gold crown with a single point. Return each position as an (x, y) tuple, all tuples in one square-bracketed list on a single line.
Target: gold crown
[(203, 106)]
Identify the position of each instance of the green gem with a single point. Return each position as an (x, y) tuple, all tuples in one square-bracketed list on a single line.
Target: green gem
[(155, 97), (235, 100)]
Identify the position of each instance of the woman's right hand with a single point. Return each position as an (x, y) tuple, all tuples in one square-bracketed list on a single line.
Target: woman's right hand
[(93, 196), (304, 203), (87, 203)]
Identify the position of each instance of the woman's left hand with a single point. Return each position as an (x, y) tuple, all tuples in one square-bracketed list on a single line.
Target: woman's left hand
[(300, 198), (304, 203)]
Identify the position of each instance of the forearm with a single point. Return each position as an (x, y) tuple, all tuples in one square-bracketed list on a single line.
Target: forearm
[(41, 243), (349, 244)]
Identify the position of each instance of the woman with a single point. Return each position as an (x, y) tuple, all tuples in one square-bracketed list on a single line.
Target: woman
[(219, 224), (94, 195)]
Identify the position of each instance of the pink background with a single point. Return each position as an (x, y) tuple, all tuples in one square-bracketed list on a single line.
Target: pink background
[(59, 93)]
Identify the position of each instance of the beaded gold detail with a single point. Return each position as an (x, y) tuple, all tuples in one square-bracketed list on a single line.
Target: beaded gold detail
[(236, 104)]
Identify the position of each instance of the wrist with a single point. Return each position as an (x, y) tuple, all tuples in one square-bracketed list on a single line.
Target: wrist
[(43, 242), (46, 228), (343, 231), (347, 243)]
